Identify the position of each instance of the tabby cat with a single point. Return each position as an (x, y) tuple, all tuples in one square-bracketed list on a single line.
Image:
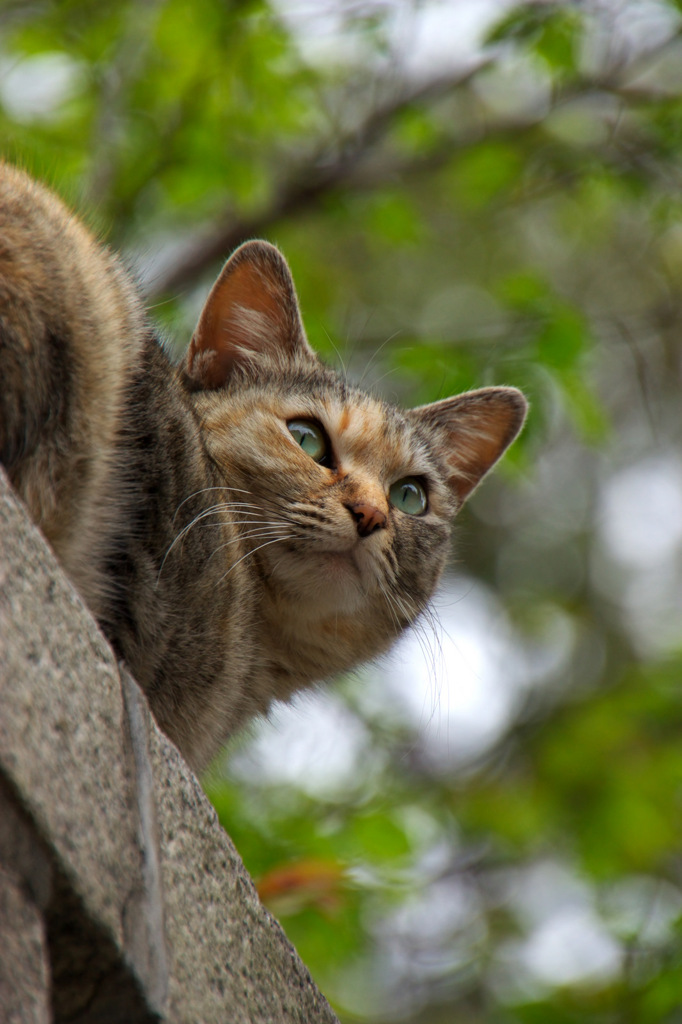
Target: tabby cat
[(244, 524)]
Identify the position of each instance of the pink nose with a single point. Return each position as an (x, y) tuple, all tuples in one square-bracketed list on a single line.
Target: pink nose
[(368, 518)]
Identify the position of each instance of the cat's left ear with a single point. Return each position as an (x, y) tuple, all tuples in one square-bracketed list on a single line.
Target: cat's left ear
[(473, 431), (251, 312)]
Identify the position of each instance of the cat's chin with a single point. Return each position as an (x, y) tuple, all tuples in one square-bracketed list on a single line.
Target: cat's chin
[(322, 583)]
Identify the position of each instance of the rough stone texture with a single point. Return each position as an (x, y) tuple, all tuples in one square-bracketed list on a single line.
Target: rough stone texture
[(24, 972), (25, 890), (127, 901)]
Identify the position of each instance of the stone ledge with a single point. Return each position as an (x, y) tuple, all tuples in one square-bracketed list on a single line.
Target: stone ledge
[(133, 903)]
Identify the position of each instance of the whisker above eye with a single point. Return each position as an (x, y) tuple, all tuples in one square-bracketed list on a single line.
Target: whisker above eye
[(375, 355)]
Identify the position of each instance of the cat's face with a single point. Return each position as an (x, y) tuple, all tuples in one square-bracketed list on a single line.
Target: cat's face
[(343, 495), (345, 502)]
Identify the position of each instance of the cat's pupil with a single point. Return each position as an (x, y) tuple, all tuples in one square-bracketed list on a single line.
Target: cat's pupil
[(409, 496), (311, 438)]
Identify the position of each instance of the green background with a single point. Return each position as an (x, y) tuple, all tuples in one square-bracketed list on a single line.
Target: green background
[(511, 214)]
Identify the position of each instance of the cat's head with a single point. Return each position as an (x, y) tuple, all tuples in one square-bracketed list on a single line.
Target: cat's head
[(349, 500)]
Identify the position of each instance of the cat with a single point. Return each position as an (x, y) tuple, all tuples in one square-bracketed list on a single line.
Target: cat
[(243, 524)]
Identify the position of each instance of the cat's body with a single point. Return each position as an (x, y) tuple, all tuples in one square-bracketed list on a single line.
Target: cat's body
[(244, 524)]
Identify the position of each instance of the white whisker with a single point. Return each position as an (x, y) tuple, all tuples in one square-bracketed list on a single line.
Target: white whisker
[(236, 508), (255, 535), (204, 490), (183, 533), (253, 552)]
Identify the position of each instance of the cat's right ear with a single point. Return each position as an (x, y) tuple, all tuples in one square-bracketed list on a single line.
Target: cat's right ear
[(472, 431), (251, 314)]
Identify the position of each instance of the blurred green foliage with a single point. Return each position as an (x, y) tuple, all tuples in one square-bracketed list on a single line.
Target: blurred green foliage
[(509, 215)]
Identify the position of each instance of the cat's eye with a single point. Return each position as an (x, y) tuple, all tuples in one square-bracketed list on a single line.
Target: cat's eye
[(409, 496), (311, 438)]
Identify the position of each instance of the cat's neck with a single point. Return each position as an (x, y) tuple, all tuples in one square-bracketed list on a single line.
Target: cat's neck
[(301, 646)]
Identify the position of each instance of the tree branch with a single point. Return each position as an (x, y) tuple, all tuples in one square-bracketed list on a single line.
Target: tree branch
[(305, 186), (338, 165)]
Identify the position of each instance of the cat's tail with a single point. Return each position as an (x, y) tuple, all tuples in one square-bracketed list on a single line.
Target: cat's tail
[(72, 331)]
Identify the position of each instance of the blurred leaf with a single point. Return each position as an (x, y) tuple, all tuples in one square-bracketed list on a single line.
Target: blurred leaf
[(394, 218), (486, 171), (549, 27), (378, 838), (288, 888), (586, 410)]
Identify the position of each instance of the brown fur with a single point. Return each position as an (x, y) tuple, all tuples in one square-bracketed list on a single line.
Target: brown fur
[(226, 565)]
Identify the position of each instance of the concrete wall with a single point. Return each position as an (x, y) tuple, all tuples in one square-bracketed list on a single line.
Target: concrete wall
[(121, 897)]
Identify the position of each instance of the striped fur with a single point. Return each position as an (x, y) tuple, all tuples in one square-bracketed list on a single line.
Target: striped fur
[(226, 566)]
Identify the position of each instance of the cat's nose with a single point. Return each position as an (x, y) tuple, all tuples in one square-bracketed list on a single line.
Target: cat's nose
[(368, 518)]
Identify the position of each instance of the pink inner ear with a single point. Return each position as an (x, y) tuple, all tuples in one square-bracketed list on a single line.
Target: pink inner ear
[(241, 300), (245, 289), (477, 429), (227, 325), (481, 433), (252, 310)]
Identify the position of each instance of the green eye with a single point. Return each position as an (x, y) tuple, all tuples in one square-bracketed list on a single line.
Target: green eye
[(409, 496), (311, 438)]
